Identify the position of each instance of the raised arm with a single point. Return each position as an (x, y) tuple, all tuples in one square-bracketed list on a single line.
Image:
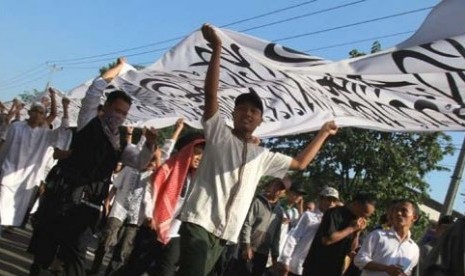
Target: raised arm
[(12, 111), (2, 108), (301, 161), (178, 127), (168, 145), (61, 137), (91, 100), (65, 103), (53, 107), (111, 73), (213, 73), (140, 158)]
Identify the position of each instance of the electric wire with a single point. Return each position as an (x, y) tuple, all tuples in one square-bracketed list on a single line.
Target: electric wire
[(351, 24), (182, 36)]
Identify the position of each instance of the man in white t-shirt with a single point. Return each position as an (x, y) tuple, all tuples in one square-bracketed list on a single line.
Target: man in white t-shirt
[(298, 242), (232, 165), (292, 211)]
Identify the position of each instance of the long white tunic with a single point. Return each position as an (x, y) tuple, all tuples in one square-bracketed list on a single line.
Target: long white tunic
[(21, 162)]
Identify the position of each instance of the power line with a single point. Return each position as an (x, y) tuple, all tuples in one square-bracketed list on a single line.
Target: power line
[(14, 85), (314, 49), (267, 13), (280, 39), (22, 74), (302, 16), (252, 28), (256, 27), (357, 41), (180, 37), (80, 68), (23, 77), (112, 58), (352, 24), (27, 76), (118, 52)]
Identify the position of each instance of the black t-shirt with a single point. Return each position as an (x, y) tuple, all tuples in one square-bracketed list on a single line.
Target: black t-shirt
[(328, 260)]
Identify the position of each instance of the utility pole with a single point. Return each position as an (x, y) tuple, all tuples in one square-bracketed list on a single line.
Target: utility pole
[(448, 206), (52, 68)]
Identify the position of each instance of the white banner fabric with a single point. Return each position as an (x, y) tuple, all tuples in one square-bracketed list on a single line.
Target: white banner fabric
[(407, 88)]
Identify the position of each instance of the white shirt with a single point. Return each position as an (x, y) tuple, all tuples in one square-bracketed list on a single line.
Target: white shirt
[(131, 188), (89, 104), (299, 240), (176, 223), (292, 215), (148, 202), (21, 161), (385, 247), (63, 142), (130, 184), (217, 201)]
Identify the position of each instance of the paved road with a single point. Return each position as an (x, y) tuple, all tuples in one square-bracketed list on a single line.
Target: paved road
[(14, 260)]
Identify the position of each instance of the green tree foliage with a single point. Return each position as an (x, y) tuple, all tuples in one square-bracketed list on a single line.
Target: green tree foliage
[(29, 96), (375, 47), (103, 69), (390, 165)]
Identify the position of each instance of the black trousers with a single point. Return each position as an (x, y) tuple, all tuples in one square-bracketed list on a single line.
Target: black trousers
[(256, 267), (150, 256), (72, 233), (167, 260)]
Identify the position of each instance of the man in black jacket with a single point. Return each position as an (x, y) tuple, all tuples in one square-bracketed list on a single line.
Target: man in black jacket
[(77, 185)]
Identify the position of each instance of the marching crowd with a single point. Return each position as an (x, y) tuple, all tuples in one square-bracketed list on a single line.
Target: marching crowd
[(190, 206)]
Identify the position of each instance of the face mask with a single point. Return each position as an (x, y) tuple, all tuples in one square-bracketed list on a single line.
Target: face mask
[(113, 120)]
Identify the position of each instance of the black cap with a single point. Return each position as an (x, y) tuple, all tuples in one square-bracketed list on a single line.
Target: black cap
[(446, 219), (188, 138), (298, 188), (251, 97)]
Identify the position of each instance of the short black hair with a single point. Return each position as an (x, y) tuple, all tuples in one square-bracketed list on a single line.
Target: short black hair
[(446, 219), (118, 94), (364, 198), (188, 138), (277, 181), (250, 97)]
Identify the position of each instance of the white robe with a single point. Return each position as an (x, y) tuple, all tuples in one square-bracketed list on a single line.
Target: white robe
[(21, 162)]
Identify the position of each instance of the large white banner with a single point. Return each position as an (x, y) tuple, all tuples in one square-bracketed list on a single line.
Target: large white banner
[(417, 86)]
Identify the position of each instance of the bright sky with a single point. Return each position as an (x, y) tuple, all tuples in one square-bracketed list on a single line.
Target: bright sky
[(40, 37)]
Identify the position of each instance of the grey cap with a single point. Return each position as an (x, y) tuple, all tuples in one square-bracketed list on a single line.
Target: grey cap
[(329, 192), (37, 105)]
